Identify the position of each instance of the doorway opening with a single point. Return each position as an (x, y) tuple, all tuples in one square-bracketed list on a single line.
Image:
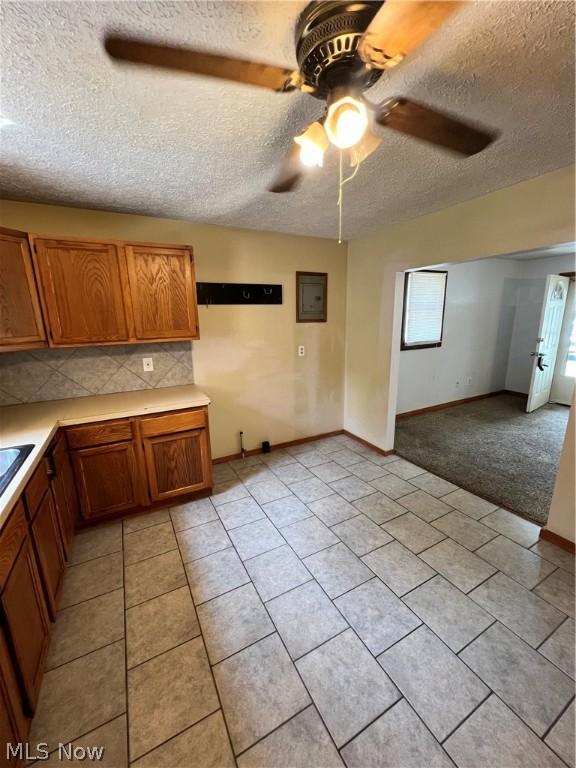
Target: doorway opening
[(486, 405)]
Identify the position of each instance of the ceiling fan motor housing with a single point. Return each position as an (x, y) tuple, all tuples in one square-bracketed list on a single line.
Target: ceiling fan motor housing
[(327, 37)]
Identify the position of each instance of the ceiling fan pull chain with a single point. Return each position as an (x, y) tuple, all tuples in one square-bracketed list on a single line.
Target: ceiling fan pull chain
[(340, 185)]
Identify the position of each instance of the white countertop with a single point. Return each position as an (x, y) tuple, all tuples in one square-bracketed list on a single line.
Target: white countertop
[(37, 423)]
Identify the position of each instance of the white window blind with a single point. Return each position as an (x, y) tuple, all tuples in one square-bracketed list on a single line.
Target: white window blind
[(423, 308)]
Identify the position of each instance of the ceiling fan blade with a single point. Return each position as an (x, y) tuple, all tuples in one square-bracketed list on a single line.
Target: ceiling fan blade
[(200, 63), (399, 27), (435, 127), (290, 173)]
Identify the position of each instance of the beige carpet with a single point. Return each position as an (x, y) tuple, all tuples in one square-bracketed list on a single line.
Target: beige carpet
[(493, 448)]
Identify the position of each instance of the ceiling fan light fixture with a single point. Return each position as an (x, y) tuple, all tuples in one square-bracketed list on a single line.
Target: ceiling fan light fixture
[(313, 143), (346, 122)]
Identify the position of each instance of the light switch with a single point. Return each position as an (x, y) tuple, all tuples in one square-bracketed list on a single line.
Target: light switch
[(148, 363), (301, 351)]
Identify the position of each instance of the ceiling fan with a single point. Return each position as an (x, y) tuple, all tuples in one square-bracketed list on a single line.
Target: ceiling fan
[(342, 48)]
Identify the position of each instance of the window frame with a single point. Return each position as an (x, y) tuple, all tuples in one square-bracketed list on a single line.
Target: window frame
[(430, 345)]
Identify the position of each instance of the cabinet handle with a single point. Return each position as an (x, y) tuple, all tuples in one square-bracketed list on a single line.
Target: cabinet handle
[(50, 466)]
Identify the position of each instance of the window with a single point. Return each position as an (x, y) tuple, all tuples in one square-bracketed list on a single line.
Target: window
[(423, 319)]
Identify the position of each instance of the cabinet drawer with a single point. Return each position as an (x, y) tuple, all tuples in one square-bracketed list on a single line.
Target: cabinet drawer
[(101, 433), (36, 488), (179, 421), (11, 538)]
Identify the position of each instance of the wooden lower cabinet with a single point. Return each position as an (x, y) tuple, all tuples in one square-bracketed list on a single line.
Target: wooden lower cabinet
[(177, 464), (64, 491), (160, 458), (108, 479), (27, 625), (13, 722), (46, 535)]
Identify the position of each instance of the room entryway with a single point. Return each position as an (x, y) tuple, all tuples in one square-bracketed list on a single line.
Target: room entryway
[(493, 448), (565, 368), (486, 372)]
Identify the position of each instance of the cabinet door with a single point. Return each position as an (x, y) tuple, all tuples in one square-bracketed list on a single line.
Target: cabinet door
[(64, 492), (13, 724), (108, 479), (163, 292), (27, 623), (177, 463), (46, 535), (83, 288), (20, 317)]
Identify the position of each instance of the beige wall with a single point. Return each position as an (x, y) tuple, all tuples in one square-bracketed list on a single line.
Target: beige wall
[(246, 358), (532, 214), (562, 517)]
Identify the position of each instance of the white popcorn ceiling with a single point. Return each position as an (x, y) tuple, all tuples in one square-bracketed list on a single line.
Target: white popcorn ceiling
[(88, 133)]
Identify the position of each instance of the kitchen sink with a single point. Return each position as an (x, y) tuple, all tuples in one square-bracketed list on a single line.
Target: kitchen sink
[(11, 459)]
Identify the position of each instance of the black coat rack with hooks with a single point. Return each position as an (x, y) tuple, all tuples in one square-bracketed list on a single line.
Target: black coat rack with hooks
[(238, 293)]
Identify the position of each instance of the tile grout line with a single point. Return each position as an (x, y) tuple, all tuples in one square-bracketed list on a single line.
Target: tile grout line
[(82, 736), (150, 557), (564, 620), (70, 566), (368, 725), (126, 687), (176, 735), (277, 727), (93, 597), (88, 599), (469, 715), (293, 663), (561, 713), (168, 650), (149, 599), (84, 655), (221, 708)]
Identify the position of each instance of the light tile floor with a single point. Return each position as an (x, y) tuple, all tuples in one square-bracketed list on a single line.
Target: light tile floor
[(326, 606)]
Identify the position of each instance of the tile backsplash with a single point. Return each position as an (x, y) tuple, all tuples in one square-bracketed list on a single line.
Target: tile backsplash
[(54, 374)]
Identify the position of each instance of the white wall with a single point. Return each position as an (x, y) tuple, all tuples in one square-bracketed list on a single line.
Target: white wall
[(530, 288), (478, 322), (535, 213), (490, 327), (562, 517)]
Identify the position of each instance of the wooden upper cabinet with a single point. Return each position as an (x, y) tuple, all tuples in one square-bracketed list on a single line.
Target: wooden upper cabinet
[(163, 291), (83, 286), (21, 323)]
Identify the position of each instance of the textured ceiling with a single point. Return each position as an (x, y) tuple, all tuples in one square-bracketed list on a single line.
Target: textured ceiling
[(87, 133)]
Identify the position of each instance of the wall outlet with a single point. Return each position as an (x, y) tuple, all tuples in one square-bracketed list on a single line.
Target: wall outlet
[(148, 363), (301, 351)]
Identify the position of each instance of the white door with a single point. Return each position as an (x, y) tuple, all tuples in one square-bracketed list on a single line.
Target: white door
[(547, 342), (565, 371)]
